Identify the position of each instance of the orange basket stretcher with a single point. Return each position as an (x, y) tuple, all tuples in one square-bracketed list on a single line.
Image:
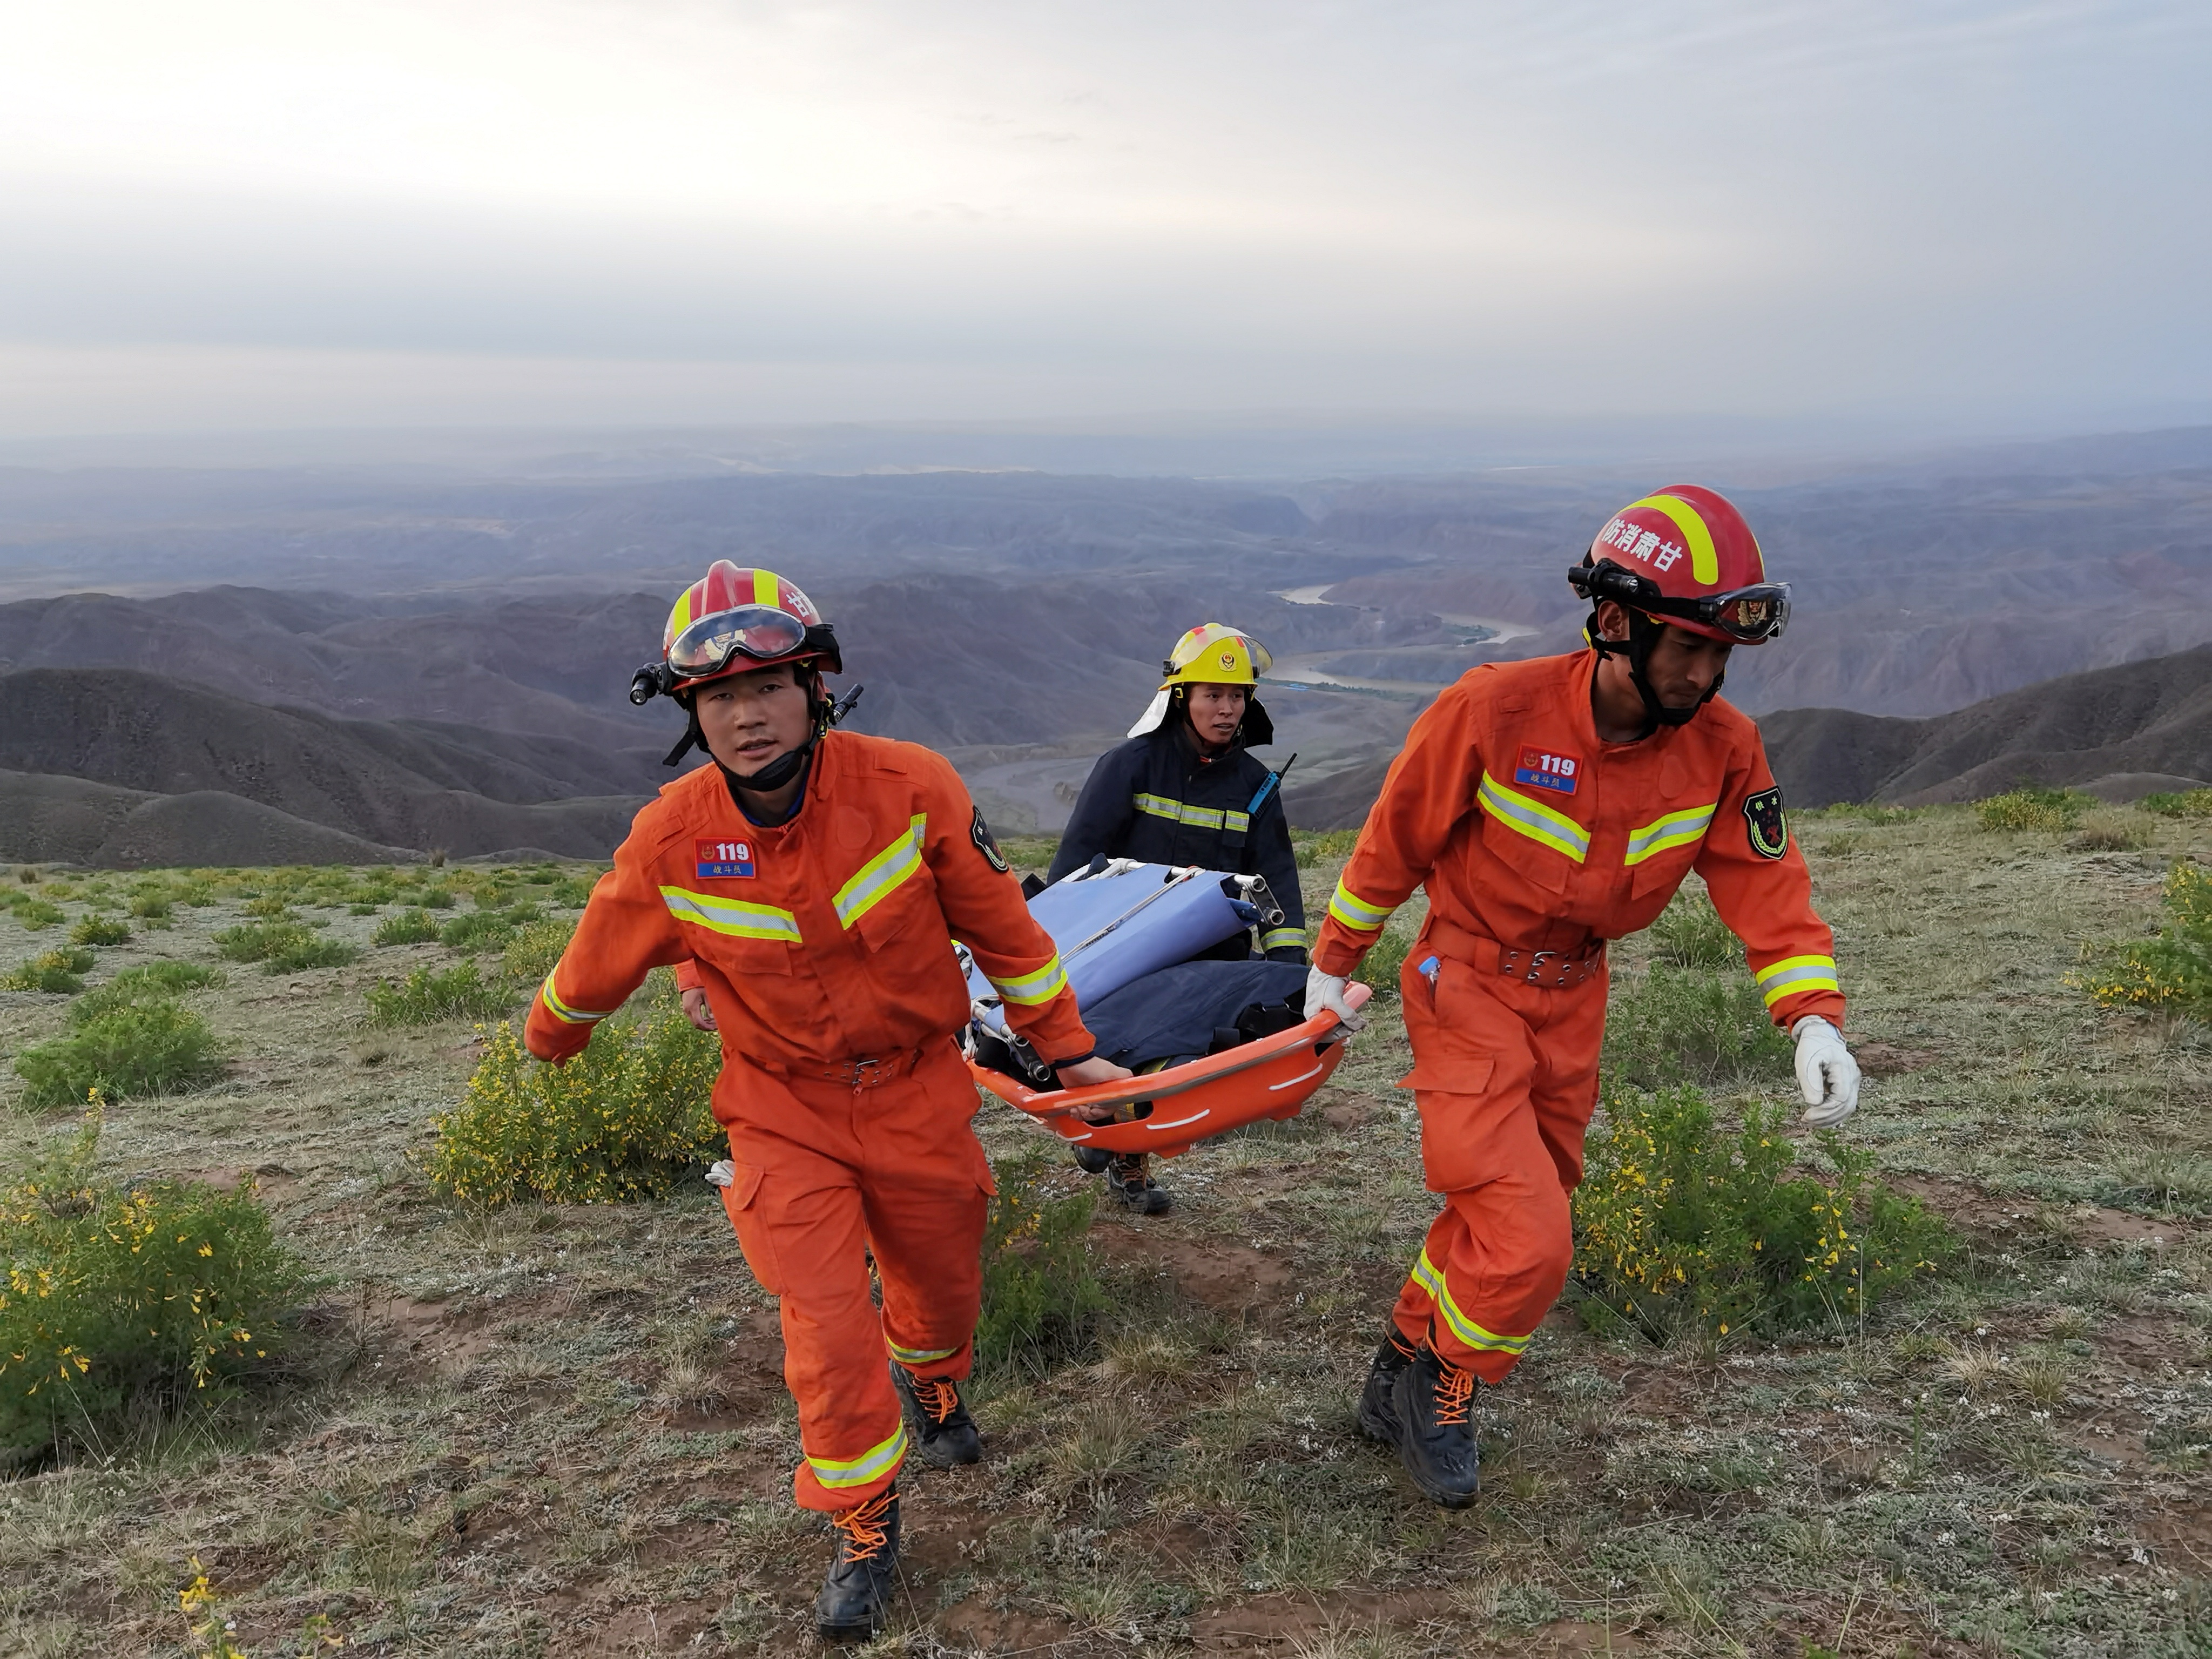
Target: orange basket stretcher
[(1169, 1111)]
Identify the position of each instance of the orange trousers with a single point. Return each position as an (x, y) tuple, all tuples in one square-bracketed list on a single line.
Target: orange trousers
[(1505, 1077), (827, 1174)]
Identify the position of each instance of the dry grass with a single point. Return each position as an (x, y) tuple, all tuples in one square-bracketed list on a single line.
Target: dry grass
[(562, 1430)]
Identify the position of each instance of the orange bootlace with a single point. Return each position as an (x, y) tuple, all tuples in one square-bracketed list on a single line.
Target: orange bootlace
[(1454, 1392), (866, 1534), (936, 1396)]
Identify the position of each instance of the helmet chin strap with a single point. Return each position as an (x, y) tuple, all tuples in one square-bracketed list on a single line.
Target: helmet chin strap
[(788, 765), (1644, 633)]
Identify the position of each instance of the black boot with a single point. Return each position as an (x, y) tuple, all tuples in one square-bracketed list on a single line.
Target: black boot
[(936, 1420), (1378, 1407), (856, 1596), (1093, 1160), (1133, 1189), (1435, 1402)]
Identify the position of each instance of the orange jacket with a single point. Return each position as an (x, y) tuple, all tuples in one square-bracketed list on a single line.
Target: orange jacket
[(825, 939), (1527, 829)]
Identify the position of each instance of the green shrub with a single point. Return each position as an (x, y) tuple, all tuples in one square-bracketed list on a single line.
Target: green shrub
[(1040, 1291), (407, 927), (571, 892), (37, 914), (2172, 972), (479, 930), (1677, 1026), (98, 930), (2189, 804), (1328, 844), (437, 898), (152, 1048), (2031, 808), (155, 911), (57, 971), (125, 1301), (154, 982), (1682, 1224), (282, 947), (1690, 933), (424, 998), (271, 907), (534, 951), (627, 1118), (1381, 965)]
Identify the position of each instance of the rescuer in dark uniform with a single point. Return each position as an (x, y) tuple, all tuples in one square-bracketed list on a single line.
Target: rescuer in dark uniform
[(1186, 789)]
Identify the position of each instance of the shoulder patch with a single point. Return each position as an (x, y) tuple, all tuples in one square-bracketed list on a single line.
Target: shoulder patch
[(1768, 830), (980, 833)]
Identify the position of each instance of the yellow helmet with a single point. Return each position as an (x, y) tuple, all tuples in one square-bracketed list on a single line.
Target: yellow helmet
[(1214, 653)]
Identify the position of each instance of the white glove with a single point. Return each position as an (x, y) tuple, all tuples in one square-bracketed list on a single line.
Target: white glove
[(1326, 992), (1826, 1073), (722, 1173)]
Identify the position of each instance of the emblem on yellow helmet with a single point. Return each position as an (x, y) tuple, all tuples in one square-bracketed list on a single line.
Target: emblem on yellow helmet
[(1214, 653)]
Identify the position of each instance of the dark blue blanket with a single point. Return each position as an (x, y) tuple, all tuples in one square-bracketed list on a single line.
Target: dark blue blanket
[(1194, 1008)]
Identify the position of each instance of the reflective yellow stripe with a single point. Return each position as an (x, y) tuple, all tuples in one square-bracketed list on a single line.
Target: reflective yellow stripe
[(1705, 564), (1283, 938), (1675, 830), (881, 874), (871, 1464), (1355, 912), (562, 1011), (1425, 1275), (1030, 989), (1533, 819), (1202, 817), (725, 916), (764, 589), (917, 1356), (1795, 974)]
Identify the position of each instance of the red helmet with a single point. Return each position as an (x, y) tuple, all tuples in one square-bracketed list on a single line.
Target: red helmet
[(735, 619), (1686, 556)]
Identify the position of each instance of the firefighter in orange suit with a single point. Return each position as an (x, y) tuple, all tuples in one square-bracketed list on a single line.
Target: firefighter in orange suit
[(816, 879), (1547, 806)]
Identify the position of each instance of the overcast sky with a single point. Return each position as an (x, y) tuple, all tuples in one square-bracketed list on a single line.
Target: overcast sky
[(374, 212)]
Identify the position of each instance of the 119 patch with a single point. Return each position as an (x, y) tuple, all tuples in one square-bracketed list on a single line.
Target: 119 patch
[(1542, 770), (1763, 821), (722, 859)]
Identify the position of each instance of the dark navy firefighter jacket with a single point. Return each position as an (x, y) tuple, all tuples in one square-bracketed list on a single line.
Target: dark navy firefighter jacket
[(1157, 799)]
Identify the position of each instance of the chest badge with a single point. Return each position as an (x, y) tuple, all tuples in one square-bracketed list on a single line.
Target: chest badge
[(721, 859), (1540, 769)]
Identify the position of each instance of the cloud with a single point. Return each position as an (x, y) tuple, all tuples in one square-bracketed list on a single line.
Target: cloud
[(1053, 210)]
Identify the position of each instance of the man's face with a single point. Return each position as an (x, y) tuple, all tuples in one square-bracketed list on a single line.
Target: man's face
[(1683, 665), (751, 720), (1215, 712)]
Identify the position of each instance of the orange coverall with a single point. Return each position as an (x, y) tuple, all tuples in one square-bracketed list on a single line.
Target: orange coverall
[(824, 947), (1533, 836)]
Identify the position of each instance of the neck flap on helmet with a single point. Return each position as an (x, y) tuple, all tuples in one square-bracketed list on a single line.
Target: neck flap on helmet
[(1644, 633)]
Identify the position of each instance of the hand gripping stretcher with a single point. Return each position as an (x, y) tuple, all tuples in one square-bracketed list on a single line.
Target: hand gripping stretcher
[(1115, 923)]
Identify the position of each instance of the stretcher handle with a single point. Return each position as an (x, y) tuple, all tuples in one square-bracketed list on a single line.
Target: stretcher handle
[(1321, 1028)]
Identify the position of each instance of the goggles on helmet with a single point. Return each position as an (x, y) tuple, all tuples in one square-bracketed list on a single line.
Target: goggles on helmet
[(759, 631), (1748, 616)]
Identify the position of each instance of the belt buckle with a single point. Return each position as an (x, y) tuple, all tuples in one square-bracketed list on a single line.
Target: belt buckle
[(868, 1073), (1536, 960)]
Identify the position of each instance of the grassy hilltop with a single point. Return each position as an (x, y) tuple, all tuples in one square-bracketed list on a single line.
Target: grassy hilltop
[(525, 1428)]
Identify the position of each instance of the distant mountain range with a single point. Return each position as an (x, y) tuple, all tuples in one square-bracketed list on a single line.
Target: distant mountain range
[(417, 658), (388, 784), (2140, 727), (2124, 731)]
